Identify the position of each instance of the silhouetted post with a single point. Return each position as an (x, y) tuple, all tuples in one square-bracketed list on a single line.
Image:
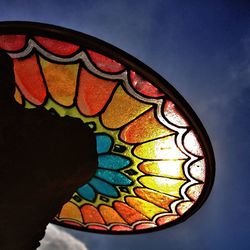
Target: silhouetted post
[(43, 159)]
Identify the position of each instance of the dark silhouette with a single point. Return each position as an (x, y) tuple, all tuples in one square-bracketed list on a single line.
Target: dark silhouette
[(43, 159)]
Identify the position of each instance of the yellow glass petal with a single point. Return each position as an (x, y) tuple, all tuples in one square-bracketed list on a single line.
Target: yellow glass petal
[(18, 96), (163, 184), (159, 199), (164, 148), (144, 207), (145, 128), (70, 211), (170, 168), (122, 109), (110, 215), (61, 81)]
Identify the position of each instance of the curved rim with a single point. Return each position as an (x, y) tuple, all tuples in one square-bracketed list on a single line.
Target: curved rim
[(90, 42)]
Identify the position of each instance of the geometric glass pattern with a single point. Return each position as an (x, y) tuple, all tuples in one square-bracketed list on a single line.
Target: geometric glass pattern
[(155, 161)]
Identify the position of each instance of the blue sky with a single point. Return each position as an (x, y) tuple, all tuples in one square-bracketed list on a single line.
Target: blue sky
[(203, 49)]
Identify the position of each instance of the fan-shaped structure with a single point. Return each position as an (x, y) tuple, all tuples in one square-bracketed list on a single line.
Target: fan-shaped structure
[(155, 160)]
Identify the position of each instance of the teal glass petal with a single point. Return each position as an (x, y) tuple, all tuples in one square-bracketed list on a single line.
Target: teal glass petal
[(113, 177), (103, 143), (87, 192), (103, 187), (112, 161)]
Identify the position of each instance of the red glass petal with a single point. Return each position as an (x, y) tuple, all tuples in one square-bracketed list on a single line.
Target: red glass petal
[(144, 87), (29, 79), (57, 47), (121, 228), (144, 226), (12, 42), (105, 63)]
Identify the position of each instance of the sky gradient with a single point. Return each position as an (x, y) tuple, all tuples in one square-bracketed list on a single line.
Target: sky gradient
[(202, 48)]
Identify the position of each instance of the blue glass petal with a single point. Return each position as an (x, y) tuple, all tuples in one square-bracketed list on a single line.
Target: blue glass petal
[(112, 161), (103, 143), (113, 177), (87, 192), (103, 187)]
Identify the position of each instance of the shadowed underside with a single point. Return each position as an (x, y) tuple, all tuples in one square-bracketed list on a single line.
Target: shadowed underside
[(44, 159)]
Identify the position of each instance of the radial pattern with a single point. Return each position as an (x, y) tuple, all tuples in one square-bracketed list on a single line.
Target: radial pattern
[(151, 165)]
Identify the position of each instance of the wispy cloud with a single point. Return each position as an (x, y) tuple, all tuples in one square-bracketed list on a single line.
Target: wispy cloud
[(56, 238)]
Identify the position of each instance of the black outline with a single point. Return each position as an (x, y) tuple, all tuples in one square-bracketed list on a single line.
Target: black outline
[(92, 43)]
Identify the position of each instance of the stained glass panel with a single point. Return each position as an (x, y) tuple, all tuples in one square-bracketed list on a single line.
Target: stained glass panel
[(155, 162)]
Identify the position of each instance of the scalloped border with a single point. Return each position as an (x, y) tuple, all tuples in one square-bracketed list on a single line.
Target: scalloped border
[(89, 42)]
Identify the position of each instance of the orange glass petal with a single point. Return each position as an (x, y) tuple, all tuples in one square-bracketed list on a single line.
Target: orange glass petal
[(146, 208), (91, 215), (144, 128), (31, 84), (157, 198), (61, 81), (93, 93), (129, 214), (130, 107), (70, 211), (110, 215)]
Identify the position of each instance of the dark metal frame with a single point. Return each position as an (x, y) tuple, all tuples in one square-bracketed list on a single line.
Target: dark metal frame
[(90, 42)]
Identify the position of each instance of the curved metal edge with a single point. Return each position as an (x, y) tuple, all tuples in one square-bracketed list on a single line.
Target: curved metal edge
[(90, 42)]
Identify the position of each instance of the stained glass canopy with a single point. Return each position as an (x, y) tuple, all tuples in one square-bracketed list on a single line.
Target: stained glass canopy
[(155, 160)]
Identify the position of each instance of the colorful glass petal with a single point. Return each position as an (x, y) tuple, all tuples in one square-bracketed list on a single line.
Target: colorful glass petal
[(57, 47), (61, 81), (91, 214), (155, 197), (87, 192), (104, 63), (12, 42), (131, 108), (93, 93), (170, 168), (159, 149), (144, 128), (103, 187), (146, 208), (31, 84), (70, 211), (163, 184), (113, 177), (103, 143), (129, 214), (143, 86), (113, 162), (110, 215)]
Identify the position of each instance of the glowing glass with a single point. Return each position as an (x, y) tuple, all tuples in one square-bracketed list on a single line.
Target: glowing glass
[(155, 162)]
